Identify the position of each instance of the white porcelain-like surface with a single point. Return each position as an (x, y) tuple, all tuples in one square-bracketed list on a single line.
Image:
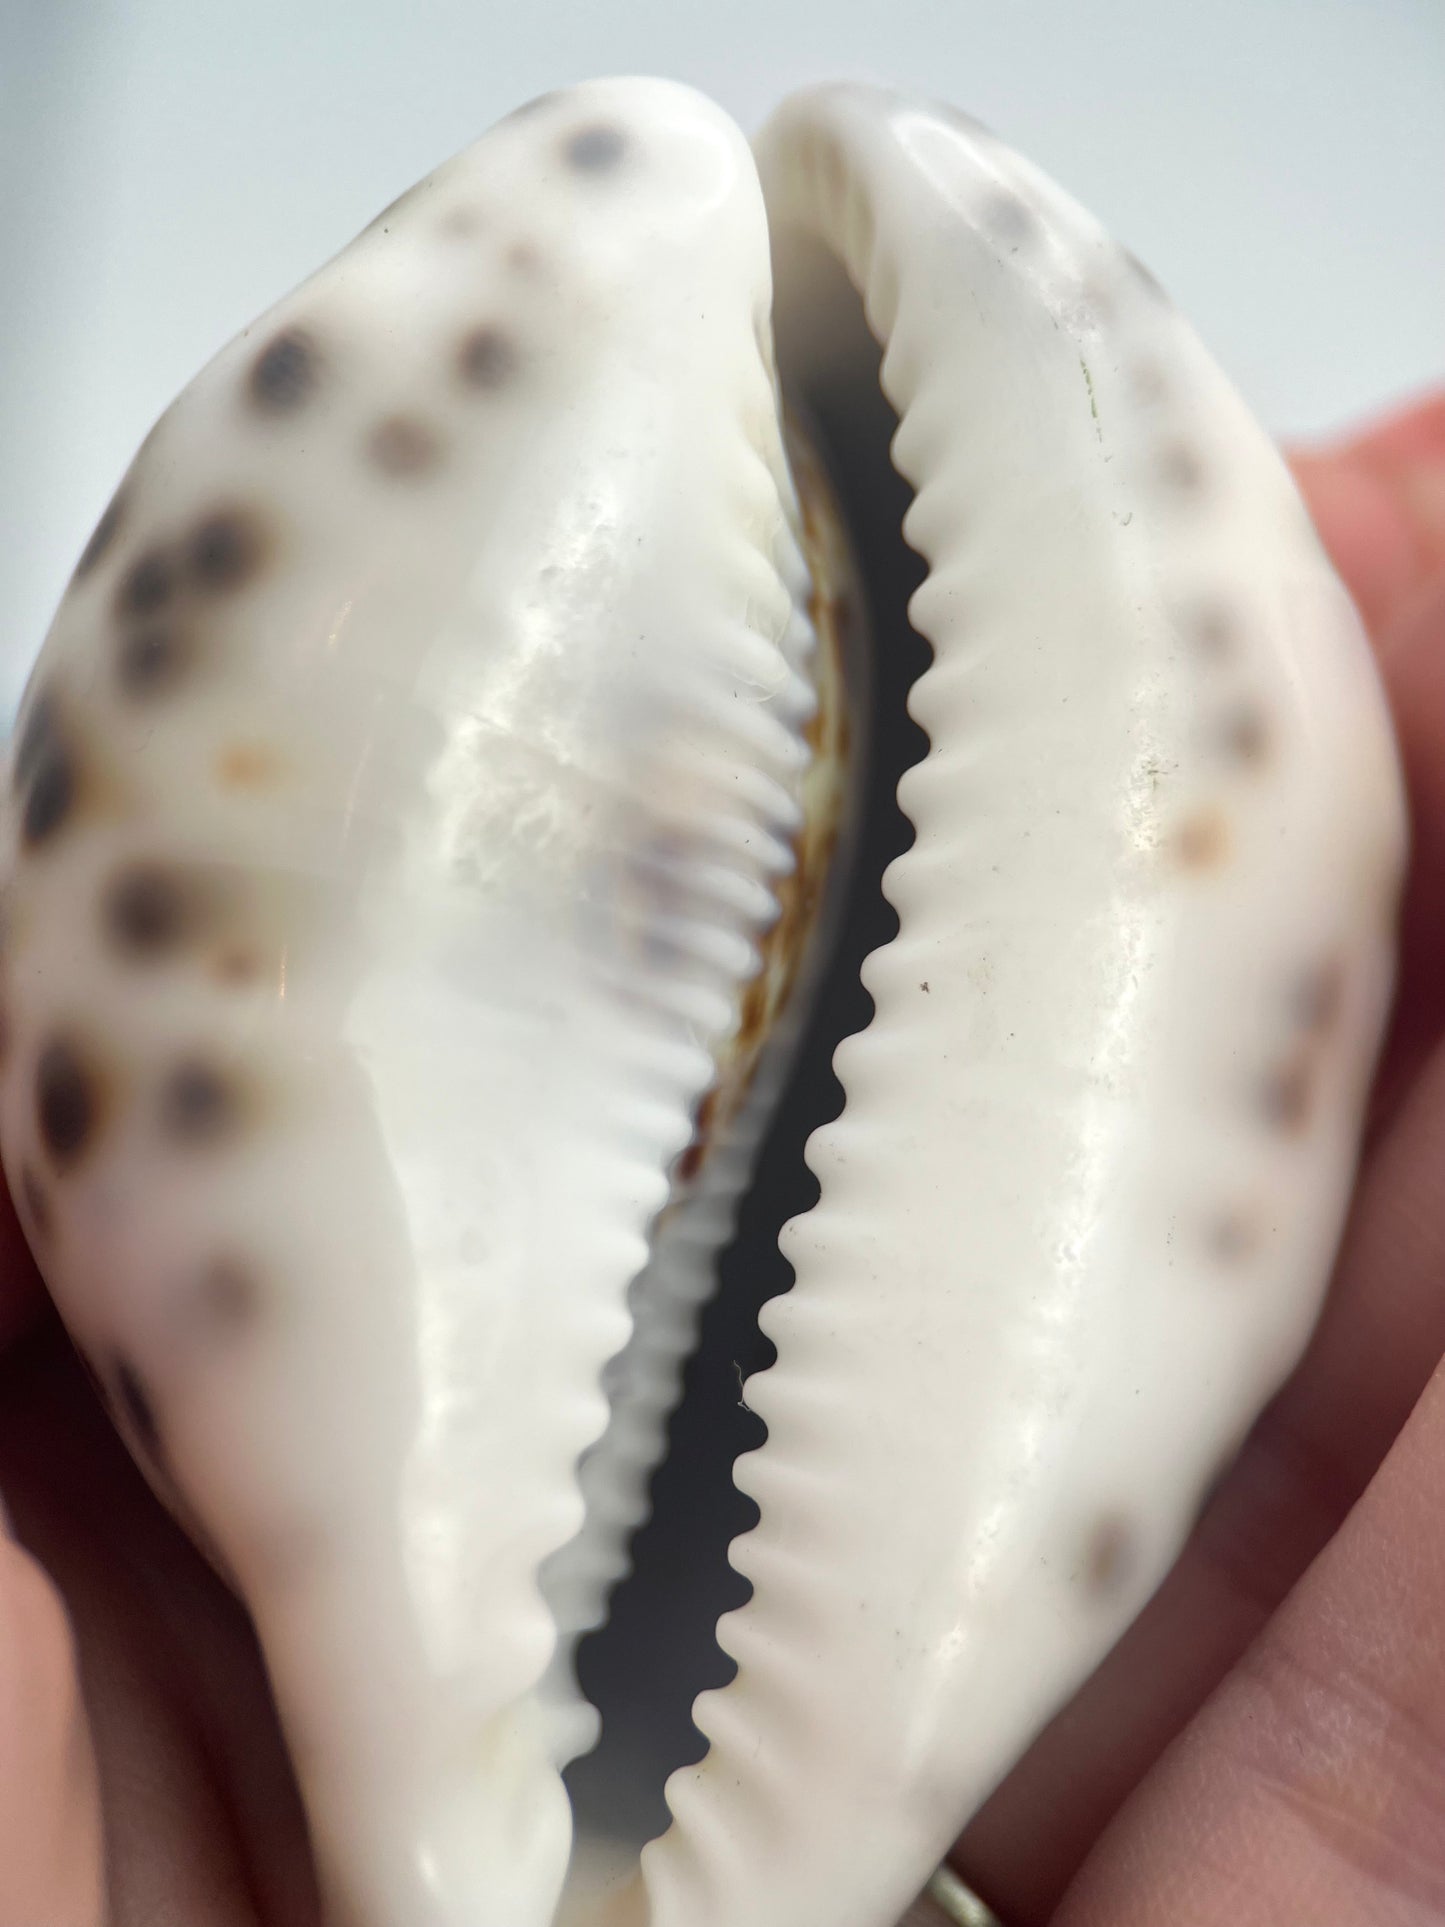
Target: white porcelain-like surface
[(398, 810)]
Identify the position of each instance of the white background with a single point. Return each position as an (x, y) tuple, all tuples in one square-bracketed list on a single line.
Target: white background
[(169, 167)]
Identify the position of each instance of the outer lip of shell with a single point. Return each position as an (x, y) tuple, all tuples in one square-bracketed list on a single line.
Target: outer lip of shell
[(1090, 498)]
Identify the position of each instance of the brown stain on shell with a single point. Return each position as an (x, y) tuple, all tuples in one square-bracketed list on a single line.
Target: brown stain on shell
[(249, 767), (1110, 1554), (1202, 840), (404, 448)]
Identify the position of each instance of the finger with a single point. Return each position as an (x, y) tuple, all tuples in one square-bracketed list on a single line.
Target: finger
[(50, 1841), (1413, 659), (202, 1819), (1378, 501), (1312, 1787)]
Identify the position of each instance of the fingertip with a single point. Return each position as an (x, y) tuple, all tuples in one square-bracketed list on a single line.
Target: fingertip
[(50, 1832)]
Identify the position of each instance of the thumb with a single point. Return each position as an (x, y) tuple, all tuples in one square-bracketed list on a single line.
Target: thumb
[(50, 1837)]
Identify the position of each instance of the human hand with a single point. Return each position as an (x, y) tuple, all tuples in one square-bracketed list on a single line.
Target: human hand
[(1305, 1778)]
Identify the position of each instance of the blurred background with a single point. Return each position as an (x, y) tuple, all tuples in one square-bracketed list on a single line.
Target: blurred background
[(169, 167)]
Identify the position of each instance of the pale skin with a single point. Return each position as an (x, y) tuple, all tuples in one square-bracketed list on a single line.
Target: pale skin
[(1265, 1747)]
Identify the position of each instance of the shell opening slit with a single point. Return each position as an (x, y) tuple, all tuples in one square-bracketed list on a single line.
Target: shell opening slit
[(459, 848)]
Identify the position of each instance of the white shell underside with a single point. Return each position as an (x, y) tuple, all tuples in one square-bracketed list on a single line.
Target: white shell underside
[(485, 755)]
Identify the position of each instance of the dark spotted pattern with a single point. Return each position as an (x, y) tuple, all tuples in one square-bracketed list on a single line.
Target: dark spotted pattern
[(1109, 1555), (487, 357), (1244, 736), (137, 1410), (1181, 469), (285, 375), (149, 911), (67, 1102), (1288, 1095), (403, 447), (1319, 996), (151, 661), (199, 1103), (225, 550), (147, 586), (1212, 628), (596, 150), (104, 534), (228, 1294), (1232, 1237)]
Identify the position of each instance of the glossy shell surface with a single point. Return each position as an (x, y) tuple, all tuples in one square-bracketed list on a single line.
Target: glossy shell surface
[(398, 813)]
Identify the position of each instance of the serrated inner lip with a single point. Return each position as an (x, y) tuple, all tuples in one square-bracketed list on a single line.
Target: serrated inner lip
[(679, 1581)]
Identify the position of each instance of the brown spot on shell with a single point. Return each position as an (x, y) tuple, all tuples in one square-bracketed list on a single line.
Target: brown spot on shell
[(147, 585), (1244, 736), (200, 1103), (151, 661), (523, 257), (249, 766), (1211, 626), (286, 373), (1181, 468), (1148, 383), (1287, 1096), (149, 910), (225, 550), (1318, 997), (1202, 840), (35, 1201), (102, 538), (487, 357), (1233, 1235), (461, 222), (236, 966), (403, 447), (1109, 1554), (228, 1294), (595, 150), (69, 1101)]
